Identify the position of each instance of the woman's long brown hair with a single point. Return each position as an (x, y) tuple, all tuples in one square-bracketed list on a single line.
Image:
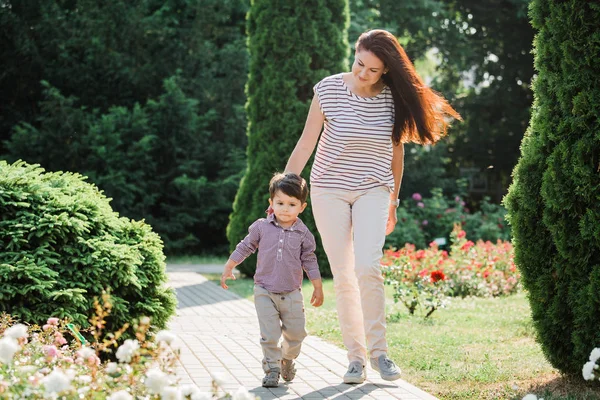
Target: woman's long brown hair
[(421, 114)]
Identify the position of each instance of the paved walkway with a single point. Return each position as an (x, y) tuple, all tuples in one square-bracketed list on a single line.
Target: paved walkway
[(219, 333)]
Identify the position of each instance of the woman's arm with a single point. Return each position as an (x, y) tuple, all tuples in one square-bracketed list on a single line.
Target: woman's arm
[(307, 142), (397, 170)]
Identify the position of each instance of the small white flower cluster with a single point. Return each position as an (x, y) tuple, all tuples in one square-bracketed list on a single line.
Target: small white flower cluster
[(10, 342), (591, 365), (45, 365)]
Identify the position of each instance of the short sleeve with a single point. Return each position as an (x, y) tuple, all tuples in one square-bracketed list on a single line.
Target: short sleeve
[(318, 90), (327, 92)]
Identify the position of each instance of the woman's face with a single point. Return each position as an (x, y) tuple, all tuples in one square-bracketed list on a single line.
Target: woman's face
[(367, 68)]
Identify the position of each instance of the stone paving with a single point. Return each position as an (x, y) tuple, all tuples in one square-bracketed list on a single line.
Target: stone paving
[(219, 333)]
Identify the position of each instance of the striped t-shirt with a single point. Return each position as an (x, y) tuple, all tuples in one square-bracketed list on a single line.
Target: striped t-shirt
[(355, 148)]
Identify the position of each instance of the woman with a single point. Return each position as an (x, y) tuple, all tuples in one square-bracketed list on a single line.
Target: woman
[(368, 114)]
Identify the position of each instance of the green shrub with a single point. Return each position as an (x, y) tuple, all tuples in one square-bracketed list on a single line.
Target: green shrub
[(421, 220), (61, 245), (553, 200), (293, 44)]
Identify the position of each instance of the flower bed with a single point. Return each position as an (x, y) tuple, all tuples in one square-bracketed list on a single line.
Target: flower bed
[(426, 278), (40, 363)]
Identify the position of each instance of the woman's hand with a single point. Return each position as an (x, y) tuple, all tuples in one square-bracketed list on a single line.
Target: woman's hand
[(392, 219)]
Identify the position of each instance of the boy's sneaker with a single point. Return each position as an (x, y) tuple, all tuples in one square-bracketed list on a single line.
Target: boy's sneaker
[(288, 369), (271, 378), (386, 367), (356, 373)]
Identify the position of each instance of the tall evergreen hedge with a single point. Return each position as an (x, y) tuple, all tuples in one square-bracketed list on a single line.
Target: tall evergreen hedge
[(293, 44), (145, 98), (61, 245), (554, 200)]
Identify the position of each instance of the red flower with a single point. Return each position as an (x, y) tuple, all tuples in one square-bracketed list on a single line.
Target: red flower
[(467, 246), (462, 234), (437, 276)]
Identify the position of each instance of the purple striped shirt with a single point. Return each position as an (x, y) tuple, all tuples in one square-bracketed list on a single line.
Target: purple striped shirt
[(282, 254)]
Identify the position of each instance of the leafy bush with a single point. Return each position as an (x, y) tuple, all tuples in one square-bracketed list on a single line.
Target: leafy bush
[(424, 278), (61, 245), (421, 220)]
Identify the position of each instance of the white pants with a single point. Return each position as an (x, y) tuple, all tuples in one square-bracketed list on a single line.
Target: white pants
[(352, 228)]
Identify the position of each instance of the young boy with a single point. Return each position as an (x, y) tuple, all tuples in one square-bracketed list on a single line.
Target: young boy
[(285, 247)]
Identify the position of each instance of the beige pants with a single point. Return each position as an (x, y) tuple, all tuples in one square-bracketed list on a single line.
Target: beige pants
[(279, 314), (352, 228)]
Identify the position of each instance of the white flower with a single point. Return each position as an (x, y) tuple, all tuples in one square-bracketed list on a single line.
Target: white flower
[(165, 336), (189, 390), (530, 397), (56, 382), (28, 369), (201, 396), (84, 378), (145, 320), (86, 352), (218, 378), (83, 390), (8, 348), (120, 395), (112, 368), (156, 380), (595, 354), (16, 331), (242, 394), (588, 370), (170, 393), (127, 349)]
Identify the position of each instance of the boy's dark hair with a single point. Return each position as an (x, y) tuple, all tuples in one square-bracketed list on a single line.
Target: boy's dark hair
[(290, 184)]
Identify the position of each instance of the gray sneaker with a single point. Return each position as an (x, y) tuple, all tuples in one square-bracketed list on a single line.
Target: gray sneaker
[(386, 367), (288, 370), (271, 378), (356, 373)]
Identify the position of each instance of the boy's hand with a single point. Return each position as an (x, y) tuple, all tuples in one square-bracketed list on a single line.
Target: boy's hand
[(317, 297), (227, 274)]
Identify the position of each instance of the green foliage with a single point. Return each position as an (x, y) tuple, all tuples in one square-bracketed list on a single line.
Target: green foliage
[(145, 98), (293, 45), (421, 220), (553, 201), (61, 245), (485, 65)]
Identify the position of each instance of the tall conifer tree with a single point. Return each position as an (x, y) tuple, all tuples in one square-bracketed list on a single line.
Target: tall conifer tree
[(554, 199), (293, 44)]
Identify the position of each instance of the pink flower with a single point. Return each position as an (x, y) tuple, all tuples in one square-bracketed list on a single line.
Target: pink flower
[(47, 327), (52, 321), (417, 197), (420, 204), (59, 339), (425, 222), (51, 351), (461, 234)]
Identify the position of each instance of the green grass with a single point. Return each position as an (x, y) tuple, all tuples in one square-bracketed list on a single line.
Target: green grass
[(474, 349), (197, 260)]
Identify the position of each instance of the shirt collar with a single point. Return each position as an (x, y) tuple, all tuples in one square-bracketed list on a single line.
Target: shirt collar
[(297, 226)]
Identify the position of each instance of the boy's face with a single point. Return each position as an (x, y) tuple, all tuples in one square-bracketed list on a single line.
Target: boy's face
[(286, 208)]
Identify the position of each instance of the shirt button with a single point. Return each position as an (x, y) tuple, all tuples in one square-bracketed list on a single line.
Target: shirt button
[(280, 240), (279, 250)]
